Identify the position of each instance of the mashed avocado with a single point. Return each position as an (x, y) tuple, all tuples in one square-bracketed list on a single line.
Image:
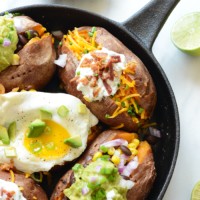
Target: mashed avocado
[(100, 180), (8, 41)]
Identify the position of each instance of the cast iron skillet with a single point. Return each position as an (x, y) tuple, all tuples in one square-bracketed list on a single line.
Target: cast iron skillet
[(138, 34)]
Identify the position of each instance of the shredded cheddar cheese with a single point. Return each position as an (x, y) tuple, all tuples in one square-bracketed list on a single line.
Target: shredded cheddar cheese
[(27, 175), (81, 42), (118, 127), (127, 95), (21, 188), (2, 89), (12, 176)]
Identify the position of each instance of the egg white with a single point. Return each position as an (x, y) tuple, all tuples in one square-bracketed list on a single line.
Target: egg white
[(24, 107)]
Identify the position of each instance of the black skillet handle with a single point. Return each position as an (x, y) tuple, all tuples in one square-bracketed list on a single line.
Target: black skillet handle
[(147, 22)]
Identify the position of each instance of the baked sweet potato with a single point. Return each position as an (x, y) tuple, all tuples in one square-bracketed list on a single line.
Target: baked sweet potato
[(135, 99), (36, 57), (143, 176), (29, 188)]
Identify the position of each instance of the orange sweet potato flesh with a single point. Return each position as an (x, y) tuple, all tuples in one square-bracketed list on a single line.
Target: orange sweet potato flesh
[(143, 176), (30, 189), (143, 81)]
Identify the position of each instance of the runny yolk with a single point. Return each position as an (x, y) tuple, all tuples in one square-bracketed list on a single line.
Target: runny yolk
[(50, 144)]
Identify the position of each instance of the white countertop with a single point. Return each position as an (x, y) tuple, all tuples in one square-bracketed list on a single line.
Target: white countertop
[(183, 72)]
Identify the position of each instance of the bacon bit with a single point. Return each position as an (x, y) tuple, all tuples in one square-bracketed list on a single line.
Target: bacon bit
[(110, 66), (2, 89), (74, 79), (108, 88), (96, 92), (98, 56), (86, 62), (7, 166), (93, 82), (83, 80), (8, 194), (115, 59)]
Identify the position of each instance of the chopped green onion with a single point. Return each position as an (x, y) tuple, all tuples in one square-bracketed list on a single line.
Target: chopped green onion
[(37, 176), (50, 146), (10, 152), (90, 34), (76, 167), (85, 51), (63, 111), (123, 104), (104, 149), (106, 171), (36, 147), (99, 194), (1, 40), (78, 73), (107, 116), (93, 29), (127, 87), (82, 109), (105, 157)]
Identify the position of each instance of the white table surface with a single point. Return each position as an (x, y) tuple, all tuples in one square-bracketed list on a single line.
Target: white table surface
[(183, 72)]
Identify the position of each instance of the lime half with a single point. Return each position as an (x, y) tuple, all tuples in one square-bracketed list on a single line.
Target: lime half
[(185, 33), (196, 192)]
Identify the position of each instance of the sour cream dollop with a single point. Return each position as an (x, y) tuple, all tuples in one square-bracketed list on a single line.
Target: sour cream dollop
[(98, 74), (10, 191)]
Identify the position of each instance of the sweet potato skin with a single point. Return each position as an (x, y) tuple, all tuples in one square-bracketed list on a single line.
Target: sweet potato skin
[(30, 189), (143, 80), (35, 69), (143, 176)]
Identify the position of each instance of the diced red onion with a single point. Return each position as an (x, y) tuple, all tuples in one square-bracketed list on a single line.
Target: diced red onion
[(98, 168), (128, 184), (93, 179), (123, 159), (133, 164), (114, 143), (85, 190), (61, 61), (154, 132), (6, 42)]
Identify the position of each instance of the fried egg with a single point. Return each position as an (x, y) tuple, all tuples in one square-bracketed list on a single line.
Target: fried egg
[(67, 117)]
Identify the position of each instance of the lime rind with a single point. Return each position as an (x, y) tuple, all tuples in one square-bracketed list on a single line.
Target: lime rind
[(185, 34), (196, 192)]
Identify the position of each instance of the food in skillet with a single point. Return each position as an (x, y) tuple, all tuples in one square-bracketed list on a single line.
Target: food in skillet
[(26, 53), (16, 186), (107, 77), (116, 166), (41, 130)]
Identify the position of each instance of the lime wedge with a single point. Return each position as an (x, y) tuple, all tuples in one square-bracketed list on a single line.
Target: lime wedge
[(196, 192), (185, 34)]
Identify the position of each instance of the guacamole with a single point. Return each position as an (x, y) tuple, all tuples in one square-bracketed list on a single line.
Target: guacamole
[(100, 180), (8, 41)]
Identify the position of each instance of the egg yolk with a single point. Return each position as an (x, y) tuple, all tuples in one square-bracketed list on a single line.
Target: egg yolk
[(50, 144)]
